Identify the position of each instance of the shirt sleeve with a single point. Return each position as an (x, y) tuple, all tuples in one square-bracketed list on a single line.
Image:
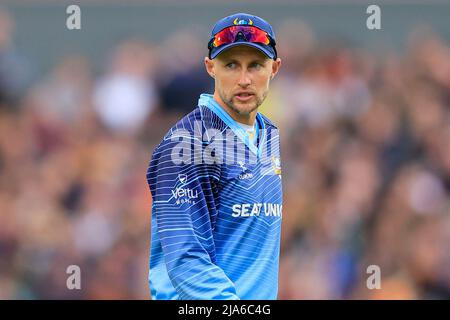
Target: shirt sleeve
[(183, 204)]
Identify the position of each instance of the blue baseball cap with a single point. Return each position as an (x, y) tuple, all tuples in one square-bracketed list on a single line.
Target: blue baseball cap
[(243, 19)]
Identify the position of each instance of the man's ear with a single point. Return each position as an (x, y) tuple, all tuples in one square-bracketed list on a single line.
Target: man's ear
[(209, 65), (275, 67)]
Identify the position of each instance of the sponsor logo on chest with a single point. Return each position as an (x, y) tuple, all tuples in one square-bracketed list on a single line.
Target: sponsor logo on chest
[(257, 209)]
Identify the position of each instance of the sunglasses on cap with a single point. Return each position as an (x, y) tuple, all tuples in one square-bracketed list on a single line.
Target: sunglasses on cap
[(247, 33)]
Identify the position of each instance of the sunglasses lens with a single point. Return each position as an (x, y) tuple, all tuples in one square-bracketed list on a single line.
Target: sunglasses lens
[(223, 37), (251, 34)]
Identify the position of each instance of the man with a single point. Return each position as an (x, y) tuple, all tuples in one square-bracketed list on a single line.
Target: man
[(215, 179)]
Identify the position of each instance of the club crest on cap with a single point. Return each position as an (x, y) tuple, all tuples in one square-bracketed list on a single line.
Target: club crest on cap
[(238, 21)]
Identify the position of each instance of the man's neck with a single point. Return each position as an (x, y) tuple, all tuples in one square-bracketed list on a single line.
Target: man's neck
[(242, 118)]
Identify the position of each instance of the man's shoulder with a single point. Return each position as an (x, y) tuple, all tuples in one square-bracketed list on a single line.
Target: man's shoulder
[(192, 126), (199, 118), (268, 123)]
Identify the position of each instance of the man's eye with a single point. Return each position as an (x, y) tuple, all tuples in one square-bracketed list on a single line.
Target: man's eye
[(257, 66), (231, 65)]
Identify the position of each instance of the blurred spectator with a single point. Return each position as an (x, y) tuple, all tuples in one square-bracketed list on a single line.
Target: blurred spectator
[(15, 69), (65, 93), (183, 76), (126, 95)]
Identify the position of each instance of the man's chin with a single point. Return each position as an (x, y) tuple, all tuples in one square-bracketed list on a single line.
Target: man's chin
[(244, 110), (244, 107)]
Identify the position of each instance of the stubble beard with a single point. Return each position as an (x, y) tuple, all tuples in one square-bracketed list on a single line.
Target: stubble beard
[(229, 102)]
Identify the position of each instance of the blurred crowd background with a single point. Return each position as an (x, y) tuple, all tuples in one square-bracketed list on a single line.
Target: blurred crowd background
[(365, 154)]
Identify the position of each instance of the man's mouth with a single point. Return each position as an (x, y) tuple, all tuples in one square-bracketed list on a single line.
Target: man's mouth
[(244, 96)]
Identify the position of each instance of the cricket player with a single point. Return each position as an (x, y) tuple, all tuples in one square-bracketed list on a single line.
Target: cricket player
[(215, 178)]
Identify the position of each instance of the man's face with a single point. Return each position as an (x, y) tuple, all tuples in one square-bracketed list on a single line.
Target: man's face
[(242, 75)]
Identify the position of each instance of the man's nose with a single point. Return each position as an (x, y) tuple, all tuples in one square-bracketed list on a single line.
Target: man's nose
[(244, 79)]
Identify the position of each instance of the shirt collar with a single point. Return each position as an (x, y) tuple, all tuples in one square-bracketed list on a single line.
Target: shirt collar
[(208, 101)]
